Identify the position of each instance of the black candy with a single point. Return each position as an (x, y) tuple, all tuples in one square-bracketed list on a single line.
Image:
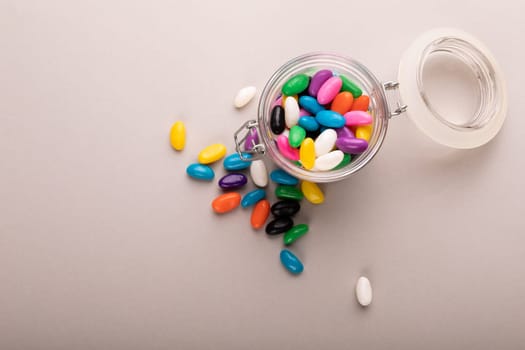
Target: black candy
[(277, 123), (286, 208), (279, 225)]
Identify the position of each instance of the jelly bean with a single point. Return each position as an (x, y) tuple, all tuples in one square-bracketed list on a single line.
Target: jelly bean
[(363, 291), (304, 113), (329, 161), (351, 145), (281, 177), (277, 123), (297, 135), (329, 90), (295, 85), (288, 192), (325, 142), (361, 103), (251, 139), (312, 192), (286, 208), (212, 153), (357, 118), (200, 172), (295, 233), (364, 132), (318, 80), (350, 86), (253, 197), (308, 123), (178, 136), (310, 104), (291, 111), (291, 262), (346, 160), (285, 148), (307, 153), (330, 119), (233, 162), (279, 225), (244, 96), (260, 214), (226, 202), (232, 181), (258, 173), (342, 102), (345, 132)]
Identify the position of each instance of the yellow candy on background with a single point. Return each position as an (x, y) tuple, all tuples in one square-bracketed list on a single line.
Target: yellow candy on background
[(212, 153), (312, 192), (307, 153), (364, 132), (178, 136)]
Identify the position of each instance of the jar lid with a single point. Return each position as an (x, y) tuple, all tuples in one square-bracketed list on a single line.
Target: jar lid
[(477, 87)]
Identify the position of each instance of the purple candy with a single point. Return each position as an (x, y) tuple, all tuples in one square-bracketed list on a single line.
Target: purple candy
[(351, 145), (344, 133), (318, 79), (251, 140), (232, 181)]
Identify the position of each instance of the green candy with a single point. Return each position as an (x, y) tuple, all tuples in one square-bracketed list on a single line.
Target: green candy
[(351, 87), (295, 85), (288, 192), (295, 233), (346, 160), (297, 135)]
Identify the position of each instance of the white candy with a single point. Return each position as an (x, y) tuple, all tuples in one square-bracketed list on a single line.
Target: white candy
[(244, 96), (258, 173), (363, 291), (291, 111), (328, 161), (325, 142)]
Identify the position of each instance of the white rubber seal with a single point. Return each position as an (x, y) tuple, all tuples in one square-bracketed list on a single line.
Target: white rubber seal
[(428, 120)]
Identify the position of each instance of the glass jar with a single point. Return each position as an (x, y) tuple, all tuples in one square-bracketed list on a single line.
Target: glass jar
[(446, 44)]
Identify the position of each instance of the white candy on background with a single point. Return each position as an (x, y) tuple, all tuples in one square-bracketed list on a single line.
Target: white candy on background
[(325, 142), (244, 96), (258, 173), (291, 111), (363, 291), (328, 161)]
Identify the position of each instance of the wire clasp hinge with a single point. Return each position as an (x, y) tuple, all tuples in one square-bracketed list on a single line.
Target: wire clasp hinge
[(258, 150), (393, 98)]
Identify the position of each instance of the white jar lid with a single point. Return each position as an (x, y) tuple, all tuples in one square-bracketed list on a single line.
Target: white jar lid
[(485, 123)]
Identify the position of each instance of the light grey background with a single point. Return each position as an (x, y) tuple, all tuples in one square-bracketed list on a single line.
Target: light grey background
[(106, 244)]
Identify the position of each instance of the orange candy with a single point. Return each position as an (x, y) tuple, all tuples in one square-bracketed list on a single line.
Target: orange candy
[(260, 214), (226, 202), (361, 103), (342, 102)]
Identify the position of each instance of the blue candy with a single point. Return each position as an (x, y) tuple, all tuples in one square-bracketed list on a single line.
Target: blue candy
[(283, 178), (310, 104), (291, 262), (330, 119), (253, 197), (308, 123), (233, 162), (200, 172)]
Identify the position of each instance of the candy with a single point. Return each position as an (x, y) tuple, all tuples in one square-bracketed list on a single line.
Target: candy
[(329, 90), (357, 118), (342, 102), (280, 176), (295, 233), (345, 132), (303, 112), (253, 197), (226, 202), (200, 172), (289, 192), (233, 162), (295, 85), (361, 103), (291, 111), (212, 153), (308, 123), (244, 96), (291, 262), (251, 139), (312, 192), (286, 150), (279, 225), (307, 153), (330, 119), (364, 132), (310, 104), (346, 160), (329, 161), (351, 145), (297, 135), (318, 80), (258, 173), (178, 136), (260, 214), (363, 291), (286, 208), (277, 123), (232, 181), (350, 86), (325, 142)]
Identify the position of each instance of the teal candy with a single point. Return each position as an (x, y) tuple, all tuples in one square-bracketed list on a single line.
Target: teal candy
[(291, 262), (251, 198), (330, 119), (308, 123), (233, 162), (200, 172), (283, 178), (310, 104)]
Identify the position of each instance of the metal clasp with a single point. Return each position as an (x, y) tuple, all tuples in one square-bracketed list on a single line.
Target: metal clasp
[(393, 98), (258, 150)]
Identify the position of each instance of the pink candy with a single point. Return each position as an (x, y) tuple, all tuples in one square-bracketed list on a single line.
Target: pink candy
[(304, 113), (285, 148), (354, 118), (329, 90)]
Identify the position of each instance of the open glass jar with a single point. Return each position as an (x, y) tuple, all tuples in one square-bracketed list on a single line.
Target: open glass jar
[(450, 46)]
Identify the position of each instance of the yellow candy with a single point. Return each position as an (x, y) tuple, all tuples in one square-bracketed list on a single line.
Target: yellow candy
[(178, 136), (307, 153), (312, 192), (364, 132), (212, 153)]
